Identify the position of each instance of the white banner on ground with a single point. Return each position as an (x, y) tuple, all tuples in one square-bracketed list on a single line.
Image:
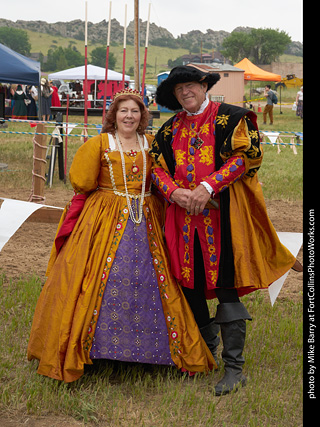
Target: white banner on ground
[(13, 214), (293, 242)]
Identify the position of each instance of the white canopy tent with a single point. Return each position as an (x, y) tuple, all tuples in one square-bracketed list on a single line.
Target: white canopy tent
[(93, 73)]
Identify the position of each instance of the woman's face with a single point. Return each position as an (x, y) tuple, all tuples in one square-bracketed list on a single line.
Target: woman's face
[(128, 117)]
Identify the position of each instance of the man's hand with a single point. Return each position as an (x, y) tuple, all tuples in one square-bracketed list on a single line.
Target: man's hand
[(192, 200), (181, 197), (198, 200)]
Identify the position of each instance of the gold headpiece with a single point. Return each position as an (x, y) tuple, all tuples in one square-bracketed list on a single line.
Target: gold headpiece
[(127, 91)]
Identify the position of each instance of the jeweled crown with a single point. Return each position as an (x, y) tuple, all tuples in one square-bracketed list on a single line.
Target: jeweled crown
[(127, 91)]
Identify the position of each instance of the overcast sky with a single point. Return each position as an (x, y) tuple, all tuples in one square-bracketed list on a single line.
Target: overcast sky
[(178, 16)]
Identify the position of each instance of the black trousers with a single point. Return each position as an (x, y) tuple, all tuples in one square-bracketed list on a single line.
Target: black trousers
[(196, 297)]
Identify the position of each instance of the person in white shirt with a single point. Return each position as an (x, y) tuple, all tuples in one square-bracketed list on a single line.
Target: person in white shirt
[(299, 102)]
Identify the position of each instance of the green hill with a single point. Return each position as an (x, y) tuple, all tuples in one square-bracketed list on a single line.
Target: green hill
[(157, 56)]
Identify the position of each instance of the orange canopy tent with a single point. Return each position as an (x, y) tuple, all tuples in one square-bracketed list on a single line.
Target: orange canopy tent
[(252, 72)]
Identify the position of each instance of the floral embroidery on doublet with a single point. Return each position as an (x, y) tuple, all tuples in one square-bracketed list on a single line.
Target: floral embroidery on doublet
[(193, 165)]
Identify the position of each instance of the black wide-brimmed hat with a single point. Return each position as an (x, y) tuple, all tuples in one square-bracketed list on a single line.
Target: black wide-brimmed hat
[(182, 74)]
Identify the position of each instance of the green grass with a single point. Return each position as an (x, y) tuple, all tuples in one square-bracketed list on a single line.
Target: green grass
[(281, 174), (119, 394)]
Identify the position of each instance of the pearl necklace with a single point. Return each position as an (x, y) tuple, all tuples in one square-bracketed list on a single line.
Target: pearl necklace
[(135, 218)]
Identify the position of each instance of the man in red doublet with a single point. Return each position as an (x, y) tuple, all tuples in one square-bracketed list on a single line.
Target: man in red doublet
[(206, 157)]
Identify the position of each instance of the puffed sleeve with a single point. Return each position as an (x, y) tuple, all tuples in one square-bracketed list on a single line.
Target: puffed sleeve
[(85, 168), (241, 156), (244, 141)]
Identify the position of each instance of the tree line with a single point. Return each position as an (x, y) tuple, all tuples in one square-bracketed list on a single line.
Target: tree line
[(58, 58)]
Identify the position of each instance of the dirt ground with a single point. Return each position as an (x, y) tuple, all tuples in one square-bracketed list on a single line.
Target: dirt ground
[(28, 250)]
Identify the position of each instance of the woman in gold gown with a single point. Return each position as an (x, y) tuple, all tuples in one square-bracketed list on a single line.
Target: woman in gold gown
[(109, 292)]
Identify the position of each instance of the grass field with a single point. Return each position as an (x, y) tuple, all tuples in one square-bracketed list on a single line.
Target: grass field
[(114, 394)]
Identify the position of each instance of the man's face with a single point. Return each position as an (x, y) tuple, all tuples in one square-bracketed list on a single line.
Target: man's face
[(190, 95)]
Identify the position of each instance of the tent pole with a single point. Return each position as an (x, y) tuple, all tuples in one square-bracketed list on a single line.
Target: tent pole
[(39, 99)]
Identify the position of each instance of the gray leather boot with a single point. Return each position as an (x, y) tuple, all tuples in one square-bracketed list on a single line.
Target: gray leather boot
[(231, 317), (210, 335)]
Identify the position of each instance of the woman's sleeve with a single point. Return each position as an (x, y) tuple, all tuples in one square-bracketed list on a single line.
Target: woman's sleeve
[(85, 168), (160, 174)]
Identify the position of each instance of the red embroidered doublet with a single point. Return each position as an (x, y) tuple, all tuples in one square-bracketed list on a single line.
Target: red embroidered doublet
[(192, 166)]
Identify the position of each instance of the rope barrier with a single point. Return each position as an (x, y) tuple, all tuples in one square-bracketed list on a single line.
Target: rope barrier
[(57, 127), (261, 99), (40, 133), (90, 136), (54, 124), (280, 143)]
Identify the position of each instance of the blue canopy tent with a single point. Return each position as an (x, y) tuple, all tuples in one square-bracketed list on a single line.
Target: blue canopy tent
[(16, 68)]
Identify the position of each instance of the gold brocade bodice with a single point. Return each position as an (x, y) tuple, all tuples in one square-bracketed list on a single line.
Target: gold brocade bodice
[(112, 171), (95, 165)]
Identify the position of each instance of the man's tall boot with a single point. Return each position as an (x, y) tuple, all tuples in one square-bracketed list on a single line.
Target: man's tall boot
[(210, 335), (231, 318)]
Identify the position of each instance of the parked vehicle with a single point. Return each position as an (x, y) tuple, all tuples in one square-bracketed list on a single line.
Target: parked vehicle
[(151, 91), (66, 88), (57, 83), (291, 80)]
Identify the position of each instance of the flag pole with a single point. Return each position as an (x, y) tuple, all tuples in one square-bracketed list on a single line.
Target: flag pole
[(85, 69), (124, 45), (136, 46), (66, 141), (145, 54), (107, 65)]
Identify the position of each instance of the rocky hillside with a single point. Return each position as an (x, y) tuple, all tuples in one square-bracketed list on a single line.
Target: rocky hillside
[(97, 33)]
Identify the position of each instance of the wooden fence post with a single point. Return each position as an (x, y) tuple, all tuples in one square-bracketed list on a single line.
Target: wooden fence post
[(39, 164)]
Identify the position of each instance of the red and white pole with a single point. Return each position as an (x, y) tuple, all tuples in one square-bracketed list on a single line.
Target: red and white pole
[(145, 54), (85, 70), (107, 65), (124, 47)]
